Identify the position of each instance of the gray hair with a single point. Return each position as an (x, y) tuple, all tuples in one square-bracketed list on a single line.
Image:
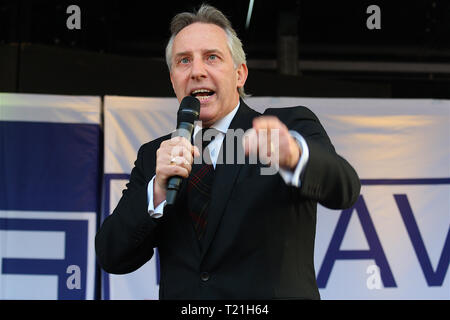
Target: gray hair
[(208, 14)]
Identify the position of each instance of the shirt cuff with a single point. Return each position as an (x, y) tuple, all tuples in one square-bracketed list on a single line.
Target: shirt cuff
[(292, 178), (159, 210)]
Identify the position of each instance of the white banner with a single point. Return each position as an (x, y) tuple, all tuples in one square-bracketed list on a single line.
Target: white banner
[(393, 244), (129, 123)]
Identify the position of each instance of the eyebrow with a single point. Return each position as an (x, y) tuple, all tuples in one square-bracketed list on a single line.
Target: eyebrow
[(213, 51), (184, 53)]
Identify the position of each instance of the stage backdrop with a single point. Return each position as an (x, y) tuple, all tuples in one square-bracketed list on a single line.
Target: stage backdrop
[(393, 244), (49, 195)]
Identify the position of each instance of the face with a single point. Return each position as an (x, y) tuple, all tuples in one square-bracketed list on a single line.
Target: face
[(202, 66)]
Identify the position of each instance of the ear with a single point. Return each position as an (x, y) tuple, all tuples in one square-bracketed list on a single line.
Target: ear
[(171, 80), (241, 73)]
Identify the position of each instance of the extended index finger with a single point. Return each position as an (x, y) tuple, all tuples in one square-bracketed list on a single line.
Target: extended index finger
[(267, 122)]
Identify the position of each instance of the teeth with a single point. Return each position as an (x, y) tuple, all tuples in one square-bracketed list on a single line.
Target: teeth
[(200, 91), (202, 98)]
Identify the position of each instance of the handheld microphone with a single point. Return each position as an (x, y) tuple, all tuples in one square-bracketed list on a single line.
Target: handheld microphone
[(187, 114)]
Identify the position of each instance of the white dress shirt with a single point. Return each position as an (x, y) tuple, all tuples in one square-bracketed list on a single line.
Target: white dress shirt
[(290, 177)]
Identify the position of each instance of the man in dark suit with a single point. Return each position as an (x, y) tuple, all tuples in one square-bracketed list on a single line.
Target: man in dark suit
[(233, 232)]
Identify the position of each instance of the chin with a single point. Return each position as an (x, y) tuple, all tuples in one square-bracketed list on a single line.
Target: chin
[(206, 120), (206, 113)]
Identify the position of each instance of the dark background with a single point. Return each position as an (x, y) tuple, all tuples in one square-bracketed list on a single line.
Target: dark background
[(120, 47)]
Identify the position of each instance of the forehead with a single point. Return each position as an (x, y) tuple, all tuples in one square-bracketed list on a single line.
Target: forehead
[(200, 36)]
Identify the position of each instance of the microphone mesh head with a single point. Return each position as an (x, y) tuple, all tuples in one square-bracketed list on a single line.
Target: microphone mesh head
[(189, 110)]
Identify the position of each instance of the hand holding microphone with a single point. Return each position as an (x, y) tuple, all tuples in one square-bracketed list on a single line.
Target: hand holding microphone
[(175, 156)]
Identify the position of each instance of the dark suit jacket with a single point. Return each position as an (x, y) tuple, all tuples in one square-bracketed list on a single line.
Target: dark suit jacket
[(259, 241)]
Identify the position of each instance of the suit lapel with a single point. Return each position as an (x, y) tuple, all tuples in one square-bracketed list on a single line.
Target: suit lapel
[(226, 174)]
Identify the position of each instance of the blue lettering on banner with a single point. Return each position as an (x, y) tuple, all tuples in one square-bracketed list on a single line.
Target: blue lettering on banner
[(432, 278), (51, 167), (75, 253), (375, 252)]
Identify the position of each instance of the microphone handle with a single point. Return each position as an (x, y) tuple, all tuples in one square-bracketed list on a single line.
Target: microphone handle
[(185, 130)]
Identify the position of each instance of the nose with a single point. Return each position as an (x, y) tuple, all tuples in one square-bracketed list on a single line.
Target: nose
[(198, 70)]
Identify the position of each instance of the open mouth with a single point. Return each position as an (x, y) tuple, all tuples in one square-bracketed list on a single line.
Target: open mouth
[(202, 94)]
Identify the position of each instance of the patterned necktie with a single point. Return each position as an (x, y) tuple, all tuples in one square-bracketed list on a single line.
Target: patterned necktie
[(199, 189)]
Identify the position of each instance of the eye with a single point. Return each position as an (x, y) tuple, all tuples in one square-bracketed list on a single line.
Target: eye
[(184, 60), (212, 57)]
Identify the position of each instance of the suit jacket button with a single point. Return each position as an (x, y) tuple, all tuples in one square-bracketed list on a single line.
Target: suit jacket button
[(204, 276)]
